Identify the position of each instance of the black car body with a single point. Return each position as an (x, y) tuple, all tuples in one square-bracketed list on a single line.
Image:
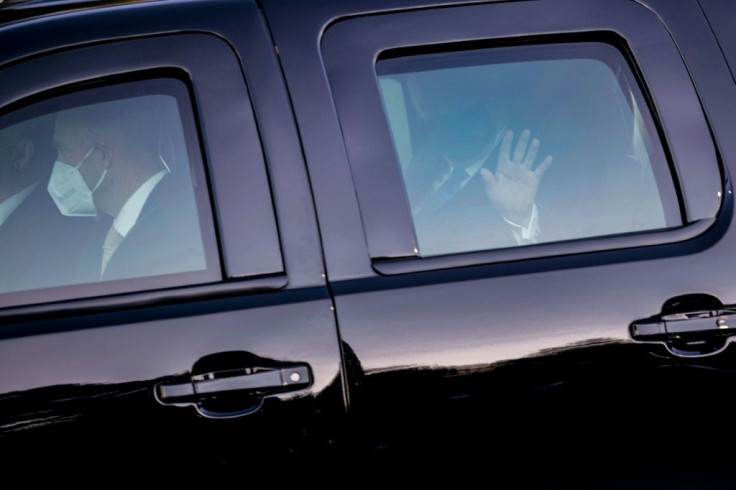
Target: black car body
[(318, 337)]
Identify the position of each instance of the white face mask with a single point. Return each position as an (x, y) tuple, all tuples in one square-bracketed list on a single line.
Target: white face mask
[(70, 191)]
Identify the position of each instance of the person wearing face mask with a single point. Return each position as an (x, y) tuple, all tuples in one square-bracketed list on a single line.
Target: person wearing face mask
[(473, 184), (109, 168)]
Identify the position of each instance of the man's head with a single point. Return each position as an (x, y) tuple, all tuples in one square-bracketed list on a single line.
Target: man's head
[(105, 152), (26, 154)]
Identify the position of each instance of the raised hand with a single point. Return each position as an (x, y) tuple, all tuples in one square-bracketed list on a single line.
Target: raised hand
[(513, 187)]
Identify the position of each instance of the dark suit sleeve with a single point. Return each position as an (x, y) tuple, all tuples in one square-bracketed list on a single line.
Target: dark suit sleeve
[(166, 238)]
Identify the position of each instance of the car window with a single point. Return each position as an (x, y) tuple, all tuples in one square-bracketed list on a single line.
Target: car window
[(101, 185), (517, 145)]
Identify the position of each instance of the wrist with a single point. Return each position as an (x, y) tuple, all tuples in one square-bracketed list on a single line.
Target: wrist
[(521, 219)]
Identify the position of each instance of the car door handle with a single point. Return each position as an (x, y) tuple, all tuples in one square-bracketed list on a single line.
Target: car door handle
[(695, 333), (251, 384), (231, 380)]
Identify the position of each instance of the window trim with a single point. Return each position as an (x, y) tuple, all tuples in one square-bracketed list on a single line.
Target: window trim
[(240, 205), (351, 48)]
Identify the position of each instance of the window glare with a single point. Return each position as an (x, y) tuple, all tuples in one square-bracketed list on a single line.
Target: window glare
[(397, 118), (99, 189), (554, 143)]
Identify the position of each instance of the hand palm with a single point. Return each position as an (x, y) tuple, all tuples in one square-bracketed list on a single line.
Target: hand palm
[(513, 187)]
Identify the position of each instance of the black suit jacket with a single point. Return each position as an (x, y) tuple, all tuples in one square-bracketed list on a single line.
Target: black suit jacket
[(39, 247), (165, 239)]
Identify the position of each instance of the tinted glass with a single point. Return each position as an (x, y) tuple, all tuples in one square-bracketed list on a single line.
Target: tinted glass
[(99, 187), (518, 145)]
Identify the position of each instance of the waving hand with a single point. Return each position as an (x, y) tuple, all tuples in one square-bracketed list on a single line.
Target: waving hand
[(513, 187)]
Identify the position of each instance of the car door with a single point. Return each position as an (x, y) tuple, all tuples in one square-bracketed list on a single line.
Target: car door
[(206, 345), (593, 352)]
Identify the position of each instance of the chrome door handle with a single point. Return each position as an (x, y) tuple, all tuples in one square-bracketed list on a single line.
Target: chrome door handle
[(698, 321), (695, 333), (255, 382)]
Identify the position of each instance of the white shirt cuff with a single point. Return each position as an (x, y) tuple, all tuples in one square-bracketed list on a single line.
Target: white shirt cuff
[(525, 235)]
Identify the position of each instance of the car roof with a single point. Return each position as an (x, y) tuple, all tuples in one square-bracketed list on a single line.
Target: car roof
[(14, 10)]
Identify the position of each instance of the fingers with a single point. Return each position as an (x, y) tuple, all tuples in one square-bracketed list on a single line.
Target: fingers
[(524, 152), (521, 146), (505, 151), (524, 155), (531, 155), (542, 168), (488, 179)]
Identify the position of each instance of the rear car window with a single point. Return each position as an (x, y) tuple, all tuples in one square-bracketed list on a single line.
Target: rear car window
[(104, 186), (517, 145)]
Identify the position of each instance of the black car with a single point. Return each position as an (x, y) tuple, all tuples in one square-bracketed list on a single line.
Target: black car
[(478, 244)]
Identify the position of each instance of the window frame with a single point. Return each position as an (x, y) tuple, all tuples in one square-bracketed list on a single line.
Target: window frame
[(609, 55), (351, 48), (241, 230)]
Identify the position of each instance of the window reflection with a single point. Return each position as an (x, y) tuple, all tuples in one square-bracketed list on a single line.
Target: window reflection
[(99, 189), (520, 145)]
